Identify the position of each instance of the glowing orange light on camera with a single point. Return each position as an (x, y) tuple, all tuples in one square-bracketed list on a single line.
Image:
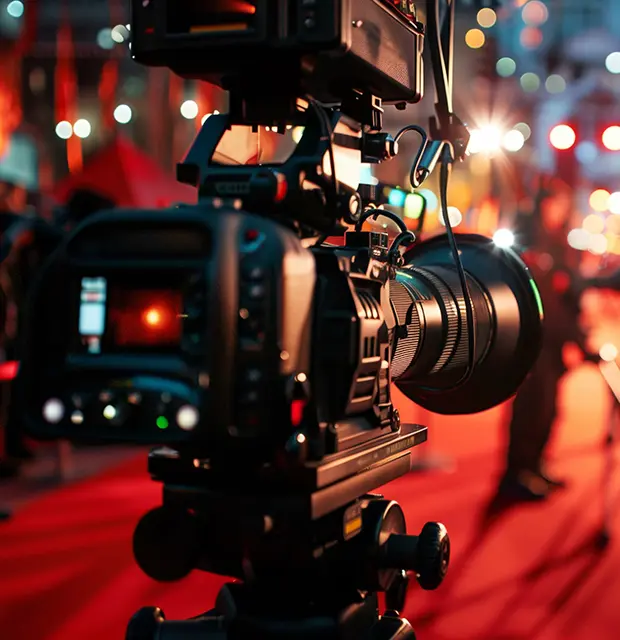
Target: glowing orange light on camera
[(153, 317)]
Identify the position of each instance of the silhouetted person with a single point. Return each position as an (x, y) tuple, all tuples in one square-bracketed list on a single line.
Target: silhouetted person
[(554, 266)]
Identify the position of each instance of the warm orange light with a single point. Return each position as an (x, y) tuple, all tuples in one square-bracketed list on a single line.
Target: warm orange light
[(562, 137), (475, 39), (153, 317), (594, 223), (611, 138), (608, 352), (599, 199)]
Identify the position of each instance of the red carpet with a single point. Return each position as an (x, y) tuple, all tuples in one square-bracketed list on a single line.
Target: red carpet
[(66, 570)]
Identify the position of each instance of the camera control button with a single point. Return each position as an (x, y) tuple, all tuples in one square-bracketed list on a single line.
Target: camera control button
[(256, 292), (253, 375), (249, 397), (253, 273)]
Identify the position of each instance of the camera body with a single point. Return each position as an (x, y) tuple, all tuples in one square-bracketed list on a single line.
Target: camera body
[(204, 328), (317, 47)]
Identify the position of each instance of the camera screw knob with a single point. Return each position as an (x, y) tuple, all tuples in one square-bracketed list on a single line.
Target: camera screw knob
[(395, 418), (433, 555)]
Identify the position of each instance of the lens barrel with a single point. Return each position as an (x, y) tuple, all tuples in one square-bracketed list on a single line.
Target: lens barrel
[(431, 344)]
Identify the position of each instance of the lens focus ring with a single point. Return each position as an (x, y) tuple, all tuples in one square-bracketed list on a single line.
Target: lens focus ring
[(455, 350), (405, 347)]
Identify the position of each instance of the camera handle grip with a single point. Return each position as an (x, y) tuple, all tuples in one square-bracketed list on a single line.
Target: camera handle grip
[(445, 126)]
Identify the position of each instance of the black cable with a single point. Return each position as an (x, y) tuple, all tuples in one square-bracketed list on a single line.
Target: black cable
[(328, 131), (444, 178), (376, 213), (416, 176)]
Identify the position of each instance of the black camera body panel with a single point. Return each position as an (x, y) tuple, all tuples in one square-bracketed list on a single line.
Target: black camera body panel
[(321, 48), (247, 362)]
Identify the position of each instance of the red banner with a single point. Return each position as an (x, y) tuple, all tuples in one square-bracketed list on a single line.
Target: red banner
[(65, 89), (107, 92)]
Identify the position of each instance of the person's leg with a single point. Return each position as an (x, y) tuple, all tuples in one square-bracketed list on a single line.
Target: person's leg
[(524, 426), (527, 423), (548, 415), (15, 447)]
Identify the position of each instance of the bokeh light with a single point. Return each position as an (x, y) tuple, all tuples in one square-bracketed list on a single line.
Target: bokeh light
[(593, 224), (598, 244), (608, 352), (531, 38), (189, 109), (504, 238), (82, 128), (579, 239), (119, 33), (64, 130), (475, 39), (562, 137), (487, 139), (535, 13), (555, 83), (432, 202), (506, 67), (613, 203), (530, 82), (599, 200), (414, 206), (123, 114), (611, 138), (454, 215), (612, 62), (486, 18), (612, 224), (104, 39), (15, 9), (513, 141), (524, 128), (586, 152)]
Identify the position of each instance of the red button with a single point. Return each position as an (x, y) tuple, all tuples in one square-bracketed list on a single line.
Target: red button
[(251, 235)]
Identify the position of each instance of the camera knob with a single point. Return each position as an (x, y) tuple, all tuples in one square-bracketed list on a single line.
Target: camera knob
[(433, 555), (427, 555)]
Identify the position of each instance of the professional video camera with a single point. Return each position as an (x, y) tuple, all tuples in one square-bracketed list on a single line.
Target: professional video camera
[(257, 356)]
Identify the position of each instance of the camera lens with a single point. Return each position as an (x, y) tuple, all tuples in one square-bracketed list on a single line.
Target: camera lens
[(432, 343)]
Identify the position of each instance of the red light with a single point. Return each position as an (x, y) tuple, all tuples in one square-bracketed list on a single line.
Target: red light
[(251, 235), (145, 318), (562, 137), (153, 317), (611, 138), (297, 412)]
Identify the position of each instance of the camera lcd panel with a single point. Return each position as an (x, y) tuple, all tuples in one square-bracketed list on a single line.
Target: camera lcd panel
[(92, 313), (217, 17), (114, 318), (144, 318)]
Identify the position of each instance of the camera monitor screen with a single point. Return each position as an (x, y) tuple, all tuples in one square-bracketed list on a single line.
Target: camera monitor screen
[(120, 318)]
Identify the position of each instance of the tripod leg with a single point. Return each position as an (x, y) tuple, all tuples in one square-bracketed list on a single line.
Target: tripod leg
[(392, 627), (396, 596)]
